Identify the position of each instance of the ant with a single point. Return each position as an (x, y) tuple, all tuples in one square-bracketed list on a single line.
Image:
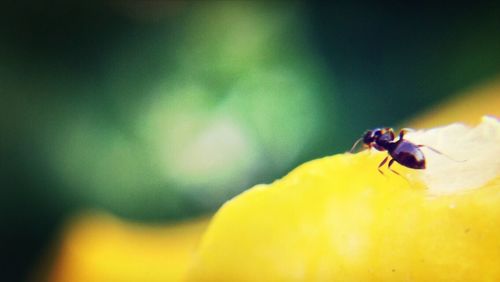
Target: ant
[(402, 151)]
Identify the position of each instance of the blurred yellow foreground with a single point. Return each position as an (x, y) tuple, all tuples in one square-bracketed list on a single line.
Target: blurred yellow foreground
[(99, 247)]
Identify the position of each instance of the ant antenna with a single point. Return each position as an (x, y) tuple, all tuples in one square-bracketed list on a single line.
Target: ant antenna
[(438, 152), (355, 144)]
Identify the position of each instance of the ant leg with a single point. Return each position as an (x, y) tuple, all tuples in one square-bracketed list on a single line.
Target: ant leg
[(389, 166), (403, 131), (438, 152), (381, 164), (430, 148)]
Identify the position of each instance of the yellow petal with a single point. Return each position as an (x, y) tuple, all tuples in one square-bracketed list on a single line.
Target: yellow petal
[(338, 219), (102, 248), (466, 108)]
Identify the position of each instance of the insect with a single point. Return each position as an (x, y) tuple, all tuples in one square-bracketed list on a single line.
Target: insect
[(402, 151)]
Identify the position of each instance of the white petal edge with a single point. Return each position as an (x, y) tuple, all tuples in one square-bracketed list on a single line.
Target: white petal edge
[(475, 152)]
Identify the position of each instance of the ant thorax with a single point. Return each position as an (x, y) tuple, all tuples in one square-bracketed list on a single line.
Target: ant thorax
[(384, 140)]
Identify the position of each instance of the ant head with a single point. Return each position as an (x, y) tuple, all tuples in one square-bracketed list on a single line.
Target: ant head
[(371, 136)]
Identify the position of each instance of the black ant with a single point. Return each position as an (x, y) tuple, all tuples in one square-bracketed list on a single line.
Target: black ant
[(402, 151)]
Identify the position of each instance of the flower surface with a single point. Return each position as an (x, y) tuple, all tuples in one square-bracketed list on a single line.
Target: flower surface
[(338, 218)]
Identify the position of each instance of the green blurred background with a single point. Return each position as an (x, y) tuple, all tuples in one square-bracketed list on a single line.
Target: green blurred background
[(160, 111)]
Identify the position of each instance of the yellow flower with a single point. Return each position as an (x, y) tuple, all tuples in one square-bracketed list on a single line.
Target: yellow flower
[(102, 248), (338, 218)]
